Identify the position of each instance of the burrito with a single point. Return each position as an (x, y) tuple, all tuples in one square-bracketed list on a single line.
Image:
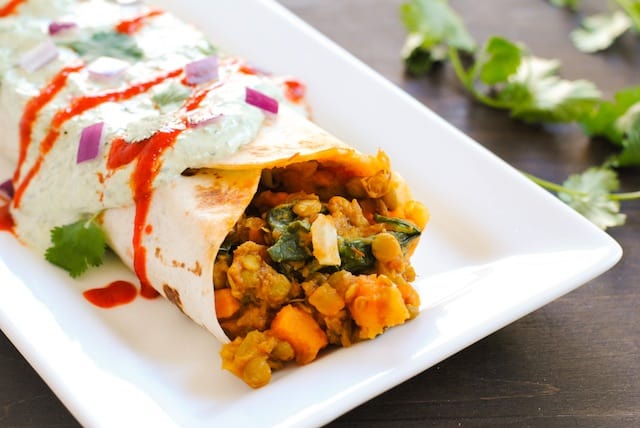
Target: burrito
[(205, 175)]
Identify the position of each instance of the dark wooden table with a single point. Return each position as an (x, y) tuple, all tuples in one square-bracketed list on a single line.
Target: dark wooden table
[(576, 361)]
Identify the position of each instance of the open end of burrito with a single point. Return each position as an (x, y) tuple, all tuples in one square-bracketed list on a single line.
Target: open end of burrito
[(320, 257)]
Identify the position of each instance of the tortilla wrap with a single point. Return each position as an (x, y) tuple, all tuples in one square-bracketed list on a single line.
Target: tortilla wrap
[(191, 216), (170, 168)]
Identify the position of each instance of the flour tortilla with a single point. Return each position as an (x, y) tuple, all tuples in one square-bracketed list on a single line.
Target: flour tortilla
[(191, 216)]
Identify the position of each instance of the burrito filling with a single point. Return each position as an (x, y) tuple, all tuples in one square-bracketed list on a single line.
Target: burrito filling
[(320, 257)]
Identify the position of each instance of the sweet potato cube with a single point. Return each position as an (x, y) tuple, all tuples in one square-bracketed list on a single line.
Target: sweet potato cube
[(226, 304), (297, 327)]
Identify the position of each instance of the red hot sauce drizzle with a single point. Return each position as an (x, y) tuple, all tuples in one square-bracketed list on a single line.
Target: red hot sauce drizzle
[(131, 26), (147, 168), (33, 107), (6, 221), (115, 294), (10, 8), (78, 106)]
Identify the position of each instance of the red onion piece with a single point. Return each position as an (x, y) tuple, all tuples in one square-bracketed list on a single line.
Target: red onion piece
[(39, 56), (199, 121), (260, 100), (57, 27), (202, 70), (6, 187), (90, 142), (106, 68)]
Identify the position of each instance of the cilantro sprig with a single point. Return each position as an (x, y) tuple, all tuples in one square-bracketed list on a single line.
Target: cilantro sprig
[(77, 246), (505, 75), (433, 28), (174, 93), (592, 194)]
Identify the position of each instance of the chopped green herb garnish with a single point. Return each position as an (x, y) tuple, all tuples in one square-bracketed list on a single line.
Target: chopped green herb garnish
[(77, 246), (172, 94), (107, 43)]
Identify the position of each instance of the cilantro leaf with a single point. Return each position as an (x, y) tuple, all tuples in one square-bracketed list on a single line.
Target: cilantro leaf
[(106, 43), (535, 93), (631, 8), (171, 94), (619, 122), (499, 59), (571, 4), (589, 194), (630, 154), (528, 86), (433, 28), (603, 121), (76, 246), (598, 32)]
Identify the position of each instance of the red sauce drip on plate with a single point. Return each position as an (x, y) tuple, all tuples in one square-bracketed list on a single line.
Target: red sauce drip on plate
[(78, 106), (131, 26), (33, 107), (115, 294), (10, 7)]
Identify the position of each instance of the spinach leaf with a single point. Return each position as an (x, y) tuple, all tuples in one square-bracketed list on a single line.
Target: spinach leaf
[(279, 218), (404, 231), (356, 254), (292, 244), (397, 224)]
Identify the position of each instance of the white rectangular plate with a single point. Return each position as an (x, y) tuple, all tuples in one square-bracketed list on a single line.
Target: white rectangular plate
[(496, 249)]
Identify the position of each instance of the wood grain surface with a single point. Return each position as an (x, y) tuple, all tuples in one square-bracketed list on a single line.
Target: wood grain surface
[(573, 363)]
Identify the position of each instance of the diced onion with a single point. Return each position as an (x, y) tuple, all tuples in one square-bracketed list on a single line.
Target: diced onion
[(106, 68), (260, 100), (57, 27), (39, 56), (89, 145), (324, 238), (202, 70), (6, 188), (202, 120)]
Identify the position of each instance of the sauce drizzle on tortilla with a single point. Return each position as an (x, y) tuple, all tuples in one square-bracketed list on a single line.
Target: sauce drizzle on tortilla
[(33, 107), (10, 7), (146, 170), (131, 26), (78, 106)]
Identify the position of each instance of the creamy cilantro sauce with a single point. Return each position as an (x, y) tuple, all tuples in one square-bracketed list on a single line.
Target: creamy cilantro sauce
[(62, 191)]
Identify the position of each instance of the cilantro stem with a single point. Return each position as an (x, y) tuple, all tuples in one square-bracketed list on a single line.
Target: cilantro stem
[(627, 196), (461, 73), (467, 78)]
